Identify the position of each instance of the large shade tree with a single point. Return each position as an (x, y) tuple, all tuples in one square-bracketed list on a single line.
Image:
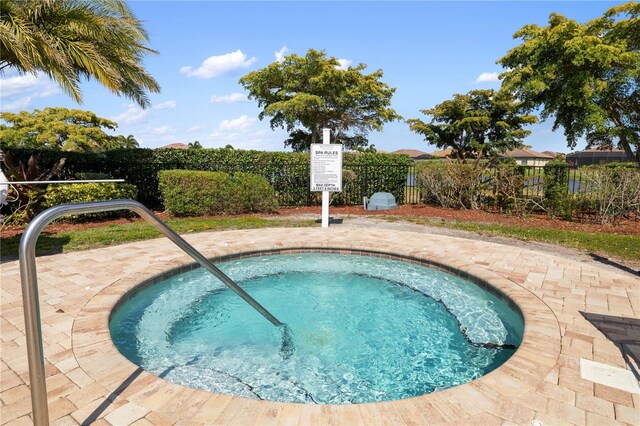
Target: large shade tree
[(60, 128), (304, 94), (586, 76), (70, 40), (476, 125)]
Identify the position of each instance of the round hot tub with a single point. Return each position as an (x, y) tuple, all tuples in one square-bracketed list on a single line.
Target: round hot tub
[(358, 329)]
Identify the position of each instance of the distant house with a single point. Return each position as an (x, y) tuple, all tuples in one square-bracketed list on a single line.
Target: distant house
[(595, 156), (175, 146), (413, 153), (442, 153), (529, 157)]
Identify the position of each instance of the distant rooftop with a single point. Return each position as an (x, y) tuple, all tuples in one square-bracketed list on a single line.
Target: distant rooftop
[(600, 153), (413, 153), (175, 146), (528, 153), (442, 153)]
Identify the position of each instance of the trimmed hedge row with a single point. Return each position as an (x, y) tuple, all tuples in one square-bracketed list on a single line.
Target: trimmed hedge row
[(286, 172), (86, 192), (198, 193)]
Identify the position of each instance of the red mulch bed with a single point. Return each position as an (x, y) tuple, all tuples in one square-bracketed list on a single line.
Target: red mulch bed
[(628, 227)]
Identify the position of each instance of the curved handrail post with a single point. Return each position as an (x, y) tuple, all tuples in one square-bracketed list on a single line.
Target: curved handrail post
[(29, 281)]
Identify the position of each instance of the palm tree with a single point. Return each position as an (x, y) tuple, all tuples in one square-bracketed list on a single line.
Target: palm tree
[(130, 142), (195, 145), (72, 39)]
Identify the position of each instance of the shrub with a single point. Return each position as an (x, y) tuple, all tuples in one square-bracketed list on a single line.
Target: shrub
[(251, 193), (450, 185), (194, 193), (86, 192), (349, 188), (612, 192), (506, 183), (558, 202), (288, 172)]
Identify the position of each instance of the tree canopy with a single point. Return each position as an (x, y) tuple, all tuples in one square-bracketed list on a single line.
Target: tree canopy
[(481, 123), (60, 128), (73, 39), (305, 94), (585, 75)]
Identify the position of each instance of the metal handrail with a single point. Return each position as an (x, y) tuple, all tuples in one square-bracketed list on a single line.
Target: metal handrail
[(29, 280)]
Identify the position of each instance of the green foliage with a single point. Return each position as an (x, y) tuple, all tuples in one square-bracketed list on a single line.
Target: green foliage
[(558, 202), (314, 93), (194, 193), (506, 182), (60, 128), (198, 193), (612, 192), (288, 172), (450, 185), (24, 199), (86, 192), (585, 75), (70, 40), (481, 123), (251, 193), (349, 186)]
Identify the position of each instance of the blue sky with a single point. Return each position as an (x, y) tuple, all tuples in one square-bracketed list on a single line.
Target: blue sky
[(428, 51)]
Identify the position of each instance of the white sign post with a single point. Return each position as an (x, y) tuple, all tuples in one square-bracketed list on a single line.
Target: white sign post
[(326, 171)]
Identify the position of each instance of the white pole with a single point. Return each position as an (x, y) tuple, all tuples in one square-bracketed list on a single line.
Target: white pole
[(326, 135)]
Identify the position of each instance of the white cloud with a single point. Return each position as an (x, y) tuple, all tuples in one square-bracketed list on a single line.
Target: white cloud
[(487, 77), (18, 91), (280, 53), (134, 114), (215, 66), (344, 64), (165, 105), (195, 129), (229, 99), (20, 103), (162, 130), (240, 123)]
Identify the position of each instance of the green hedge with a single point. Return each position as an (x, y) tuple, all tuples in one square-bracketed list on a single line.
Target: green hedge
[(198, 193), (287, 172), (86, 192), (251, 193)]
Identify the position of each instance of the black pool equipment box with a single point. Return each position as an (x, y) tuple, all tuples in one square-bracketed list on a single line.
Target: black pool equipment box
[(382, 201)]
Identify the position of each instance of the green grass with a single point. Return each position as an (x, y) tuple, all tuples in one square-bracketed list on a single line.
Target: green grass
[(621, 246), (101, 236)]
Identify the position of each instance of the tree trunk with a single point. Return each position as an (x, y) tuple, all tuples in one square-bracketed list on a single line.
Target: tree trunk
[(624, 142)]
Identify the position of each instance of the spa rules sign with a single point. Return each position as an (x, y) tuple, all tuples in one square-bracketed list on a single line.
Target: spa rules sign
[(326, 167)]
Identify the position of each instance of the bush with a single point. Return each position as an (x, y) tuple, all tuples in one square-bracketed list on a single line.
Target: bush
[(611, 192), (251, 193), (288, 172), (450, 185), (197, 193), (558, 202), (86, 192), (194, 193), (506, 183)]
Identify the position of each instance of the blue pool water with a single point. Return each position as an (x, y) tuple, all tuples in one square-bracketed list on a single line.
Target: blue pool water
[(363, 329)]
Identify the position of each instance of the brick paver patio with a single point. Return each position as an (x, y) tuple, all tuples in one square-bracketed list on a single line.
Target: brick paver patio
[(572, 311)]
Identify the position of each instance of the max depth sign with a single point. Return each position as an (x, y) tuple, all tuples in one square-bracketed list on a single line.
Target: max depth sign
[(326, 167)]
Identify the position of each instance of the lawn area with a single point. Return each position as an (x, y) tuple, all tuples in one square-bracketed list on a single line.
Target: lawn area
[(609, 244), (83, 239)]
